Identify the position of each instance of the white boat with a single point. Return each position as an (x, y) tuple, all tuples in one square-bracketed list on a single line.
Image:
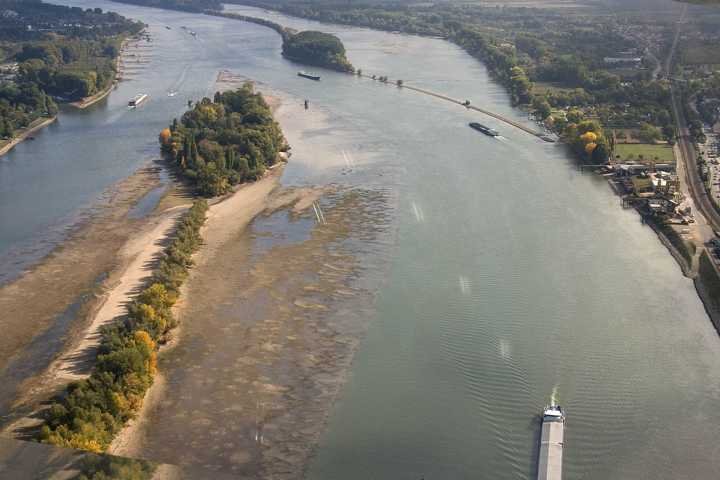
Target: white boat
[(137, 100)]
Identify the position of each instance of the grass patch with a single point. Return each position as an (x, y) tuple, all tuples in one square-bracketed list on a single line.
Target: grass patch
[(649, 152), (686, 249), (547, 87), (710, 280)]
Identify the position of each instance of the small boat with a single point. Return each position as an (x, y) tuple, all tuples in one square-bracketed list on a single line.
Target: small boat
[(166, 26), (194, 34), (137, 100), (308, 75), (486, 130), (172, 93)]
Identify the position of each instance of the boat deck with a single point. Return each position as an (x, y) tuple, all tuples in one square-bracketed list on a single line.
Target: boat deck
[(551, 450)]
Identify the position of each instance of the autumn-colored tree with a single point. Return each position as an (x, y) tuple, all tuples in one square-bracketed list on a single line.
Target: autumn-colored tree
[(165, 137)]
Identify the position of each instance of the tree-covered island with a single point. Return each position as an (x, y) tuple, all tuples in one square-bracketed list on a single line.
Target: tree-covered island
[(225, 141), (318, 49)]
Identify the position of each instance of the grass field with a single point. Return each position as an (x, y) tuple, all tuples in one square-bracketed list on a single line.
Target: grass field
[(544, 87), (701, 53), (652, 153)]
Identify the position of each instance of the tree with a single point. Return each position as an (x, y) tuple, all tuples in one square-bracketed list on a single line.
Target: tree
[(649, 133), (165, 138), (542, 107)]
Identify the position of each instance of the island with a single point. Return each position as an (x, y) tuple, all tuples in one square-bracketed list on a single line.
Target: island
[(216, 144), (317, 48)]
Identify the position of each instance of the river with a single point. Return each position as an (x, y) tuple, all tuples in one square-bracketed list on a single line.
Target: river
[(507, 274)]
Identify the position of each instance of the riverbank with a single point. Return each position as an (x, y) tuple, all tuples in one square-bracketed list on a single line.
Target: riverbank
[(25, 133)]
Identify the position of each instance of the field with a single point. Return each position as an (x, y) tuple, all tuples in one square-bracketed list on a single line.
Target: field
[(545, 87), (698, 53), (652, 153)]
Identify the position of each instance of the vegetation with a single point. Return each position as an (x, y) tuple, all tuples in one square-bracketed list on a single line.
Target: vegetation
[(225, 141), (92, 411), (686, 249), (710, 280), (317, 48), (54, 53), (107, 467)]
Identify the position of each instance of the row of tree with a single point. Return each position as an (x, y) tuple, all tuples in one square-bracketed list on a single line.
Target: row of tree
[(93, 411), (222, 142)]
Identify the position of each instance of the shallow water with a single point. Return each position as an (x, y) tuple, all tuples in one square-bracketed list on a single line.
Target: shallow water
[(509, 274)]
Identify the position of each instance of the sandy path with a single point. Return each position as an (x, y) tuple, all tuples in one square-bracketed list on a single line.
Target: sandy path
[(139, 253)]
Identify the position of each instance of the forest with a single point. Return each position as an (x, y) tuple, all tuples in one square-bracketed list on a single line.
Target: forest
[(225, 141)]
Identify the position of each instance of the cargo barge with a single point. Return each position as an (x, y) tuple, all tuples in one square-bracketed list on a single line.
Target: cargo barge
[(137, 100), (309, 75), (551, 444), (486, 130)]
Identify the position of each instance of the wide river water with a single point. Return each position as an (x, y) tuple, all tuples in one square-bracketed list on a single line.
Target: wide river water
[(510, 274)]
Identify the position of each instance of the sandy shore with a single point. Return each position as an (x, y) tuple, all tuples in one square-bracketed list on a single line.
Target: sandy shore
[(25, 134)]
